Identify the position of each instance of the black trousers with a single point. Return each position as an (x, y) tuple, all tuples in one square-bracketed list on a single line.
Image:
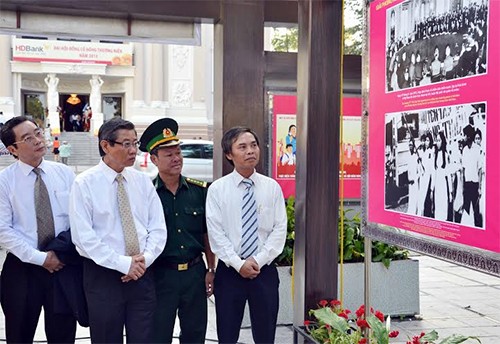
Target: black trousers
[(471, 196), (114, 304), (231, 294), (26, 288)]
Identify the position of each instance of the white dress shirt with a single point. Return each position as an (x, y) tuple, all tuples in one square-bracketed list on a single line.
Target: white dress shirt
[(18, 228), (223, 211), (471, 161), (96, 227)]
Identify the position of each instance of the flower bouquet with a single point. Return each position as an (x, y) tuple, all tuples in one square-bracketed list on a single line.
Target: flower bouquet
[(332, 324)]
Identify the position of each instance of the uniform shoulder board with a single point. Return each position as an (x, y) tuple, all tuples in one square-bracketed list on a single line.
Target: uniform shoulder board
[(197, 182)]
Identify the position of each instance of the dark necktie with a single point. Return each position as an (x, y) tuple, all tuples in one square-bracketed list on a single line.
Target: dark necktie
[(43, 210)]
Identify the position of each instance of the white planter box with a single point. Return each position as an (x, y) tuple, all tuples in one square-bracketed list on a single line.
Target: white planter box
[(394, 291)]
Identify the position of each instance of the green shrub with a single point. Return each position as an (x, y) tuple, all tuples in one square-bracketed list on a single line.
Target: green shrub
[(353, 243)]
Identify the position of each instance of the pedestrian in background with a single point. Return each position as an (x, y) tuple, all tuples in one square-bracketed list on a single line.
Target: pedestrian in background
[(33, 212), (246, 221), (65, 152), (117, 224), (182, 281), (47, 133), (55, 148)]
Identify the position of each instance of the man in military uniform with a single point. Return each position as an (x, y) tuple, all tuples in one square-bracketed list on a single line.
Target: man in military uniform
[(182, 281)]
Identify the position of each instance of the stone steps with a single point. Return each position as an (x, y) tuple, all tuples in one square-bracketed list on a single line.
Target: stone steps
[(84, 150)]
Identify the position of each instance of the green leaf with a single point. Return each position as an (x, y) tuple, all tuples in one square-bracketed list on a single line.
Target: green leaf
[(430, 337), (379, 331), (327, 316), (456, 339)]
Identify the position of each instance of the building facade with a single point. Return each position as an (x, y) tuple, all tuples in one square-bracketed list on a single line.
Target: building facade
[(68, 81)]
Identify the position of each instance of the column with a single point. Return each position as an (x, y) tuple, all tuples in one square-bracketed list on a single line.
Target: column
[(166, 72), (157, 76), (148, 72), (52, 82), (239, 76), (96, 103), (139, 75), (318, 121), (6, 90)]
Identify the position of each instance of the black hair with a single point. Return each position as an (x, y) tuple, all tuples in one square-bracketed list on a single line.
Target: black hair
[(291, 126), (7, 132), (108, 131), (478, 132), (232, 135), (442, 149)]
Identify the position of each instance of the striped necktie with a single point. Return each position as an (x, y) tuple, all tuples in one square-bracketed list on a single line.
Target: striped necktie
[(43, 210), (129, 231), (249, 238)]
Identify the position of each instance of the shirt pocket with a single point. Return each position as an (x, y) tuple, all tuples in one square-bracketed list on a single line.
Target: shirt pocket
[(62, 202), (60, 209), (194, 218), (266, 218), (194, 211)]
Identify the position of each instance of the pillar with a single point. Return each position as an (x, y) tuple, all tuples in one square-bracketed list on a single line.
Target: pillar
[(318, 120), (239, 76)]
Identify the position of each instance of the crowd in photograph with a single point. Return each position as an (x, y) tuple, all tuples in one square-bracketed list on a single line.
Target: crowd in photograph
[(446, 176), (440, 47)]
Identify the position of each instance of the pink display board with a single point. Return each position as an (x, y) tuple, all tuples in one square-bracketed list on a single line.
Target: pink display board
[(285, 129), (433, 116)]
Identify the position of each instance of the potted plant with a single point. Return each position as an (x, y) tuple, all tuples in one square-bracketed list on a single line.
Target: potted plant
[(331, 324), (392, 271)]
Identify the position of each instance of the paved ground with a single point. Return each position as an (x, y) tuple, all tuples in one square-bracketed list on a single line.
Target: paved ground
[(453, 300)]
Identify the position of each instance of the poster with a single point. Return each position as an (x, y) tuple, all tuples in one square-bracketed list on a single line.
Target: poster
[(432, 162), (284, 144)]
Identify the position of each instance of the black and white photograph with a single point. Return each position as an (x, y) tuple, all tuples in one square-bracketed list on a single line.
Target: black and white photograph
[(435, 163), (432, 41)]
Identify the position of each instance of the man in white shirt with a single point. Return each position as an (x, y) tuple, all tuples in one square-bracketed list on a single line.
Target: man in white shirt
[(120, 240), (246, 220), (472, 171), (30, 269)]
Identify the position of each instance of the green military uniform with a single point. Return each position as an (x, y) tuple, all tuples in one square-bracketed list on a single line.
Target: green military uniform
[(180, 285), (179, 271)]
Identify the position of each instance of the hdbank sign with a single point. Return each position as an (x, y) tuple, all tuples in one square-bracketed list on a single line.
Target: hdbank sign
[(34, 50)]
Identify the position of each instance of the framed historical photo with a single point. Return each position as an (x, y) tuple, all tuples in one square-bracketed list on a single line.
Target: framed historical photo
[(430, 160)]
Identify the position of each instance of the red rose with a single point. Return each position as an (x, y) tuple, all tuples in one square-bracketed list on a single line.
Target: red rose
[(323, 303), (334, 303), (393, 334), (346, 311), (361, 311), (379, 315), (362, 341), (362, 323), (307, 323), (343, 315)]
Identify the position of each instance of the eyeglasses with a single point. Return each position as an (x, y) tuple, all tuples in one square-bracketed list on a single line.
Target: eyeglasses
[(32, 139), (127, 144)]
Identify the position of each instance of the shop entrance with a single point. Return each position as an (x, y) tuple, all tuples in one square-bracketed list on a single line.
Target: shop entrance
[(75, 112)]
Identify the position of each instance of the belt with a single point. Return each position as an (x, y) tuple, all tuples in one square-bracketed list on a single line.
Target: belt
[(181, 266)]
